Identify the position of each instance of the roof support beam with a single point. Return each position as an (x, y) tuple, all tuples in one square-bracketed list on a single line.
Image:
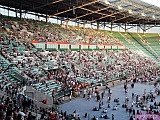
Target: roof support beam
[(150, 27), (142, 27), (89, 3), (34, 8), (131, 27), (97, 12), (125, 27), (106, 16), (148, 21), (122, 26), (122, 18), (133, 20), (91, 13)]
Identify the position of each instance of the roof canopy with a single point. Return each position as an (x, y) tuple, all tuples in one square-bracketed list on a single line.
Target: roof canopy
[(111, 11)]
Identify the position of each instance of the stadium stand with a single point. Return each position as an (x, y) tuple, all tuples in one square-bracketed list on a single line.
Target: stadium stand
[(61, 60), (19, 50)]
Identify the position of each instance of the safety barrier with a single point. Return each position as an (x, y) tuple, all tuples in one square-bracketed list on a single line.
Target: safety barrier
[(75, 46)]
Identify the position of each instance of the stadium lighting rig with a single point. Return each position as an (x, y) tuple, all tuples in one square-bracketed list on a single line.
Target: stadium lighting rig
[(130, 11), (143, 14), (153, 16), (105, 1), (145, 8), (133, 8), (120, 7)]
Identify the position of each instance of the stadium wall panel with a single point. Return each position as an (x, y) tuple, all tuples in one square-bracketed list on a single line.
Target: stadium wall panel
[(92, 47), (107, 47), (84, 47), (121, 47), (100, 46), (114, 47), (52, 46), (75, 47), (64, 46)]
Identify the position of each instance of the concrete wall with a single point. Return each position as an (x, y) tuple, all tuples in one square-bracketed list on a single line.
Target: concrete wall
[(38, 97)]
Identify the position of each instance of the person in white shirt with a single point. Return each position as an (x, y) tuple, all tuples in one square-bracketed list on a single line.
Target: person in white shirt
[(104, 110), (115, 108), (22, 114), (96, 118), (2, 115), (84, 93)]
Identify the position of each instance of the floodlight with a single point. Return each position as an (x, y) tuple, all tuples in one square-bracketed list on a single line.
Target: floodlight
[(130, 11), (120, 7), (143, 14), (106, 2), (153, 17)]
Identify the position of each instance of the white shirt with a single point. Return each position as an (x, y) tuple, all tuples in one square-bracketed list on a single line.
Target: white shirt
[(22, 114), (85, 91)]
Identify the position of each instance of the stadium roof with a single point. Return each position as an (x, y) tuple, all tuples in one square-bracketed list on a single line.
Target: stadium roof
[(111, 11)]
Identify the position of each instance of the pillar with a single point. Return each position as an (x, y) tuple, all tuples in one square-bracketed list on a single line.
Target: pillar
[(20, 10), (125, 28), (144, 28), (16, 13), (38, 18), (8, 11), (111, 26), (84, 24), (78, 24), (97, 25), (46, 18), (20, 14), (61, 21), (67, 21)]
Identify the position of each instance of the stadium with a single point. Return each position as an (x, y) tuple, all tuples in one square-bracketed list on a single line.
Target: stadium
[(79, 60)]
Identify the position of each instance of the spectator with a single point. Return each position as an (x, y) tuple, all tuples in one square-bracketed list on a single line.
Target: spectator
[(2, 115)]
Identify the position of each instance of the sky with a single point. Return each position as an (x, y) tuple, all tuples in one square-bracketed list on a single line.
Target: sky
[(153, 2)]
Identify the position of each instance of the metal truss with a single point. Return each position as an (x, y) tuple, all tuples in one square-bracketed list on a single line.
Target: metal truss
[(83, 5)]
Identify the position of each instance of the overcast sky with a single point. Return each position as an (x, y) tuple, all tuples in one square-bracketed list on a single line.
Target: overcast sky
[(153, 2)]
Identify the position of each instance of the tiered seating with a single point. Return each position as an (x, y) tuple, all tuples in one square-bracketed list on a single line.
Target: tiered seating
[(28, 64), (124, 40), (133, 41), (89, 67), (7, 75), (89, 64), (48, 87), (145, 47), (152, 40), (88, 80), (43, 32), (129, 41)]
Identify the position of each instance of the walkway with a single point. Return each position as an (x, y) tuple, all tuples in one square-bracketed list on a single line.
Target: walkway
[(82, 106)]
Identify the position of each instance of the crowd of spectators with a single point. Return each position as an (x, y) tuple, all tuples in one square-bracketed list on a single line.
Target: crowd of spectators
[(46, 32), (16, 106), (99, 65)]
